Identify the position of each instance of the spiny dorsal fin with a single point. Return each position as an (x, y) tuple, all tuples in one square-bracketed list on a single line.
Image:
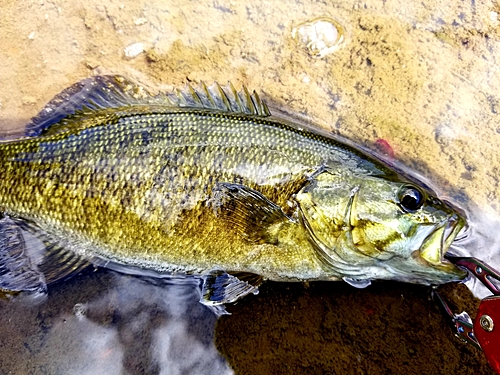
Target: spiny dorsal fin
[(215, 97), (81, 100)]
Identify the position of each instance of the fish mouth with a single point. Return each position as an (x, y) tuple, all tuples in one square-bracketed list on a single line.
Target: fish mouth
[(437, 243)]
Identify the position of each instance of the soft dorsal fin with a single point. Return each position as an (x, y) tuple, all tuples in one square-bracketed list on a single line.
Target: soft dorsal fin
[(87, 95), (81, 100)]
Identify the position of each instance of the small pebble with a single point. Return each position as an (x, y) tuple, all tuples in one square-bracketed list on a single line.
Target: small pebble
[(28, 100), (92, 64), (141, 21), (80, 310), (134, 50)]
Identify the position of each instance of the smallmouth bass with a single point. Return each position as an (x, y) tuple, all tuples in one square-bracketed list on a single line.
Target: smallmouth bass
[(206, 182)]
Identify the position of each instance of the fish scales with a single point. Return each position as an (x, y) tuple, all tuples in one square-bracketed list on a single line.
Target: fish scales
[(139, 185), (197, 182)]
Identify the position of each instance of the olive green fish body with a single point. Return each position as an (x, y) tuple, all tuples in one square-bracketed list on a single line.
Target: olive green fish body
[(190, 189), (139, 187)]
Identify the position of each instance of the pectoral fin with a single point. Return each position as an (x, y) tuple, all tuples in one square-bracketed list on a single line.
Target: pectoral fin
[(220, 287), (357, 283), (31, 258), (250, 213)]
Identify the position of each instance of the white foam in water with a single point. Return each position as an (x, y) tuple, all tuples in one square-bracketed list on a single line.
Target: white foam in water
[(482, 242)]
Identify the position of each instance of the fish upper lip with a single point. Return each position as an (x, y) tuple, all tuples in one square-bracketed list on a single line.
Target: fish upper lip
[(454, 226), (449, 234)]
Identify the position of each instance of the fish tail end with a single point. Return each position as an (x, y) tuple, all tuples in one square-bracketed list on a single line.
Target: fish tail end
[(18, 268), (31, 259)]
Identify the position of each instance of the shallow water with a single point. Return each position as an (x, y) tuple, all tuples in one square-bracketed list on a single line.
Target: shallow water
[(108, 323), (422, 76)]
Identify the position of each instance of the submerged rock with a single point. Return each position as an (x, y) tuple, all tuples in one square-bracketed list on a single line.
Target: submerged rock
[(320, 37)]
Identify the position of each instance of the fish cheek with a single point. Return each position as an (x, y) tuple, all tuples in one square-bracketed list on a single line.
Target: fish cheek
[(375, 222), (375, 239), (363, 245)]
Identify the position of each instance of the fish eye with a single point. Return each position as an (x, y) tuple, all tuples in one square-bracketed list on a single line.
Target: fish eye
[(410, 198)]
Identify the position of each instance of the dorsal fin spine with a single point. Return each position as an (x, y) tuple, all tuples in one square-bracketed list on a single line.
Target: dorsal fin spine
[(221, 93), (248, 101), (235, 96), (208, 95)]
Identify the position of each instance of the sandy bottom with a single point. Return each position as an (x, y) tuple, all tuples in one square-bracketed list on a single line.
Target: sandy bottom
[(421, 75), (330, 328)]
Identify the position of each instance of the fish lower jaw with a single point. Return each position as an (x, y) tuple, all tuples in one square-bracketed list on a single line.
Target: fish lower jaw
[(440, 269)]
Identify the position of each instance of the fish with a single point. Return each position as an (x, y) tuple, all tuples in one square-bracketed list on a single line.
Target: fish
[(206, 183)]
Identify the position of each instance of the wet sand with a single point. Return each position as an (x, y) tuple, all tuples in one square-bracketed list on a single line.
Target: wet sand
[(331, 328), (421, 75)]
